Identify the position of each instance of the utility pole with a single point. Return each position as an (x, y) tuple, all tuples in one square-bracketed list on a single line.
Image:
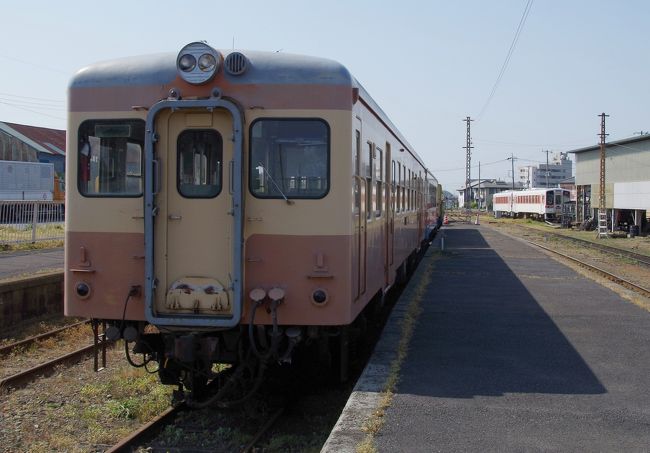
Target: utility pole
[(468, 160), (479, 185), (602, 210), (512, 159), (546, 151)]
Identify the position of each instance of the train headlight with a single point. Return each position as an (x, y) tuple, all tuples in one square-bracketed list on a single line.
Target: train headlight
[(186, 62), (197, 63), (207, 62), (319, 296), (83, 290)]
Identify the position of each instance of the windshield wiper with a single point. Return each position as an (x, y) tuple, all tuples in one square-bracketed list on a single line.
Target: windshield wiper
[(268, 175)]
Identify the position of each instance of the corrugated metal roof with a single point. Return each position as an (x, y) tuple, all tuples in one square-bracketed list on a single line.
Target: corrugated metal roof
[(624, 141), (51, 141)]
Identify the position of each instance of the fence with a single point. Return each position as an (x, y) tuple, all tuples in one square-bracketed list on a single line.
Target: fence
[(31, 221)]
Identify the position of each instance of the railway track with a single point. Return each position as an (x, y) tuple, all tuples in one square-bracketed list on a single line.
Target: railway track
[(610, 276), (8, 349), (147, 432), (19, 379), (639, 258), (22, 378)]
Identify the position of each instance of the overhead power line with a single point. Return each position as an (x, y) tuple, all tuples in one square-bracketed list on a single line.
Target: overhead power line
[(504, 66)]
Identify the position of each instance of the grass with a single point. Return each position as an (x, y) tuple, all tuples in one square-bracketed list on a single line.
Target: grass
[(130, 394), (14, 238)]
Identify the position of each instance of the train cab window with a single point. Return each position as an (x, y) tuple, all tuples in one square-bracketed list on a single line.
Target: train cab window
[(199, 165), (289, 158), (110, 158)]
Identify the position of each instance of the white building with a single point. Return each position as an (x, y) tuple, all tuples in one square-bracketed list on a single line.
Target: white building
[(559, 168)]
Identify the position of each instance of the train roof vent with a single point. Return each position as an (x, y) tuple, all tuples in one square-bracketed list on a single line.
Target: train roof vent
[(236, 63)]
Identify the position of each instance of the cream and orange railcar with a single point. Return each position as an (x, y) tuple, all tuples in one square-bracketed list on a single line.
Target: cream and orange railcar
[(207, 185)]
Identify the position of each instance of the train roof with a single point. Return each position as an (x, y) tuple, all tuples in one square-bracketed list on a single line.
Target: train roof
[(263, 68)]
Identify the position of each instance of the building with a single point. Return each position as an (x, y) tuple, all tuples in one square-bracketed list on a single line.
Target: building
[(559, 168), (33, 144), (481, 192), (627, 182)]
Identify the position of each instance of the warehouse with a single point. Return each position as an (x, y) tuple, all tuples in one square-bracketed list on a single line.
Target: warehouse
[(627, 183)]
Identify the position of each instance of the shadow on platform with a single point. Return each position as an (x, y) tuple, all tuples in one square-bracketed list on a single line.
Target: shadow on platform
[(481, 332)]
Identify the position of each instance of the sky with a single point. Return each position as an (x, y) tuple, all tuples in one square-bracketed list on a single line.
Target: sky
[(428, 64)]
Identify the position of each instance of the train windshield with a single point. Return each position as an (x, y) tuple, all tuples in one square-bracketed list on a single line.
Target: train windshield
[(110, 158), (289, 158), (550, 197)]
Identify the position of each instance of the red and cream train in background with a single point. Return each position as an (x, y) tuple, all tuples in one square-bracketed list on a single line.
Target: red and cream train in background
[(208, 185)]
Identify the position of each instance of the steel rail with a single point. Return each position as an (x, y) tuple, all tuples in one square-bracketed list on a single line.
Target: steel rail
[(7, 349), (19, 379), (249, 447), (147, 430), (620, 280)]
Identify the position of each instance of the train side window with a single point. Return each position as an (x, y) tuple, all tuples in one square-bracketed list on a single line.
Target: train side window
[(370, 189), (199, 164), (397, 182), (289, 158), (110, 158), (357, 150), (392, 185), (379, 176)]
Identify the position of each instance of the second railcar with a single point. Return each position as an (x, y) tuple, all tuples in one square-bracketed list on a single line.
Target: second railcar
[(544, 204)]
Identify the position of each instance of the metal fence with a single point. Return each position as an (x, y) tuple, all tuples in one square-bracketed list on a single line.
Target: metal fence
[(31, 221)]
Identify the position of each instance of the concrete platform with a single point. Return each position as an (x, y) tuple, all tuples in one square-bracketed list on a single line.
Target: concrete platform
[(512, 351), (27, 263)]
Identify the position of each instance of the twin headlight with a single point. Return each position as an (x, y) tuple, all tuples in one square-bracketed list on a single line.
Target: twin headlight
[(197, 63)]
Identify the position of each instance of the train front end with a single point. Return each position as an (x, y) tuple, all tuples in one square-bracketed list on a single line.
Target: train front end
[(205, 223)]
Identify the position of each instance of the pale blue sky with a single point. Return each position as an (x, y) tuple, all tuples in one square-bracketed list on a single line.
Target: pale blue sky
[(429, 64)]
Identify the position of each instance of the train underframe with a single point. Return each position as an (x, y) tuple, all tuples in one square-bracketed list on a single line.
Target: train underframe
[(226, 367)]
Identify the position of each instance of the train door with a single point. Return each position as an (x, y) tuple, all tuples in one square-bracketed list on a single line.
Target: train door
[(390, 215), (193, 230), (359, 217)]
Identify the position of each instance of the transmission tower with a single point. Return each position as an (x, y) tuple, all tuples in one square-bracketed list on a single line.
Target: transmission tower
[(468, 161)]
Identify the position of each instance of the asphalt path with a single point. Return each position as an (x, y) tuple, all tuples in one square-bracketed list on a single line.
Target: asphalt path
[(29, 263), (515, 352)]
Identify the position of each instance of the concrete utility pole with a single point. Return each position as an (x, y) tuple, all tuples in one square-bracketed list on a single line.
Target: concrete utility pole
[(602, 210), (468, 160), (546, 151), (512, 160), (479, 185)]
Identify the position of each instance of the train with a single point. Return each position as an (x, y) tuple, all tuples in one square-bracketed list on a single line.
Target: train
[(228, 208), (544, 204)]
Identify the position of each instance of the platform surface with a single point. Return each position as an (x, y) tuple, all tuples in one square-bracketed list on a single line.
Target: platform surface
[(512, 352), (14, 265)]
